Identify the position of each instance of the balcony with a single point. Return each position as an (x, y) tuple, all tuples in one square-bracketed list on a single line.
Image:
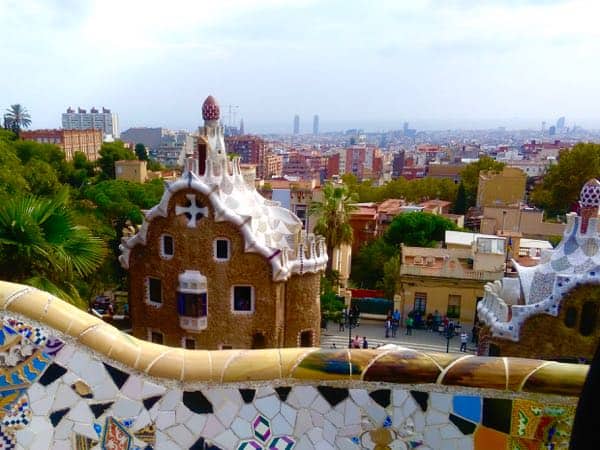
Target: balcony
[(448, 272), (193, 324)]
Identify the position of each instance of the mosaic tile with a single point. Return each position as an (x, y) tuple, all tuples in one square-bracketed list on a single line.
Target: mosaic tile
[(403, 367), (467, 406), (248, 395), (197, 402), (81, 442), (99, 408), (150, 401), (324, 365), (463, 425), (117, 375), (82, 389), (52, 373), (381, 396), (497, 414), (115, 436), (57, 416), (488, 439), (283, 392), (421, 398)]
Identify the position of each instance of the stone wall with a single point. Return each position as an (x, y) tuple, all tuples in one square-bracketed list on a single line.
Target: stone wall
[(547, 337), (70, 380), (303, 308)]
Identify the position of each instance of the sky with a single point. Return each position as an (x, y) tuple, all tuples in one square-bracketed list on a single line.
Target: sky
[(372, 64)]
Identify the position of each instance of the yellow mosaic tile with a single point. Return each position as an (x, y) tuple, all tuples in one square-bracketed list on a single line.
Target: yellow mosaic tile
[(125, 350), (557, 378), (219, 360), (290, 357), (196, 365), (359, 361), (32, 304), (253, 365), (82, 388), (167, 365), (100, 337), (148, 353), (7, 290)]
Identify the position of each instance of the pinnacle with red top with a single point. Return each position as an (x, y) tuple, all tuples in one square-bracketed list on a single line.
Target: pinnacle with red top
[(210, 109)]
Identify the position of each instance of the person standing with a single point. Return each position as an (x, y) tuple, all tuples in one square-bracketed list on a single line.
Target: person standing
[(388, 326), (409, 325), (365, 344), (464, 337)]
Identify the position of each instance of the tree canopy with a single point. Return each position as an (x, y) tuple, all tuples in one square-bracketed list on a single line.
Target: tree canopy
[(418, 229), (16, 118), (559, 191), (110, 153)]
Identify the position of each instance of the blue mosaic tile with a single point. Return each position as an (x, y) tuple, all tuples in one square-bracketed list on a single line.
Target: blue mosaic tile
[(468, 407)]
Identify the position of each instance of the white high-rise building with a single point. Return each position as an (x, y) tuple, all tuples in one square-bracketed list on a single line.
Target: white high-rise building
[(106, 121)]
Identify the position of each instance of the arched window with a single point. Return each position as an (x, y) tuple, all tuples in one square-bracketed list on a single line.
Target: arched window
[(589, 317), (306, 338), (570, 316)]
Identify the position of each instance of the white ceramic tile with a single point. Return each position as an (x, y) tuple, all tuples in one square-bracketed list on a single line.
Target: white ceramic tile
[(302, 396), (85, 429), (142, 420), (317, 418), (70, 378), (303, 422), (94, 373), (181, 435), (335, 418), (350, 430), (464, 443), (151, 389), (212, 427), (196, 422), (165, 419), (320, 404), (264, 391), (126, 408), (449, 431), (329, 432), (352, 414), (227, 412), (164, 443), (441, 402), (42, 406), (25, 436), (63, 357), (79, 361), (133, 388), (63, 429), (182, 413), (323, 445), (65, 397), (242, 428), (269, 406), (81, 413), (61, 444), (376, 412), (304, 443), (36, 392), (248, 412), (433, 438), (398, 396), (105, 391), (434, 417), (315, 434), (419, 421), (409, 406), (227, 439), (360, 397), (280, 426), (170, 400), (289, 413)]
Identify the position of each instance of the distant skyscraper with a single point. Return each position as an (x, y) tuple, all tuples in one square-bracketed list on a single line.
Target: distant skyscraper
[(560, 124), (552, 130), (316, 124), (405, 128), (296, 124), (94, 120), (241, 126)]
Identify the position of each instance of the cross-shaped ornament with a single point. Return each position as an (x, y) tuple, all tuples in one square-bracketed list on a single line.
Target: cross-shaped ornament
[(193, 212)]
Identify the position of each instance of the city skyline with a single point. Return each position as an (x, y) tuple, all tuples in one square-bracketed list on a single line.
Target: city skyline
[(425, 62)]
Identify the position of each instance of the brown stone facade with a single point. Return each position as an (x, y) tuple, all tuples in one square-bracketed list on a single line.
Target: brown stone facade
[(572, 335), (281, 311)]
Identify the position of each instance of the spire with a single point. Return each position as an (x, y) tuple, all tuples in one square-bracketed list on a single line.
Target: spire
[(589, 200), (210, 109)]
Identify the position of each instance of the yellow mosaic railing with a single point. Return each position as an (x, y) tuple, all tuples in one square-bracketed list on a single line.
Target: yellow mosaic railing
[(393, 366)]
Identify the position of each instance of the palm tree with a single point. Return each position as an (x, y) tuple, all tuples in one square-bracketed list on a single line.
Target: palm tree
[(40, 245), (16, 117), (333, 217)]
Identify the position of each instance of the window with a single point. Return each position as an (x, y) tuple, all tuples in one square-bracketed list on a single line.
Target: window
[(420, 302), (453, 310), (191, 304), (221, 249), (418, 260), (154, 290), (490, 245), (156, 337), (306, 338), (589, 317), (259, 341), (189, 343), (167, 246), (570, 317), (243, 299)]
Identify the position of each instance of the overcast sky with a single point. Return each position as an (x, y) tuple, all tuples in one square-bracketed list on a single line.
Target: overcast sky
[(350, 61)]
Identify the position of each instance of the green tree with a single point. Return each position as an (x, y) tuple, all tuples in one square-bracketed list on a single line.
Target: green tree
[(141, 152), (333, 217), (110, 153), (368, 265), (391, 272), (470, 176), (562, 183), (12, 181), (40, 245), (418, 229), (460, 204), (16, 118)]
